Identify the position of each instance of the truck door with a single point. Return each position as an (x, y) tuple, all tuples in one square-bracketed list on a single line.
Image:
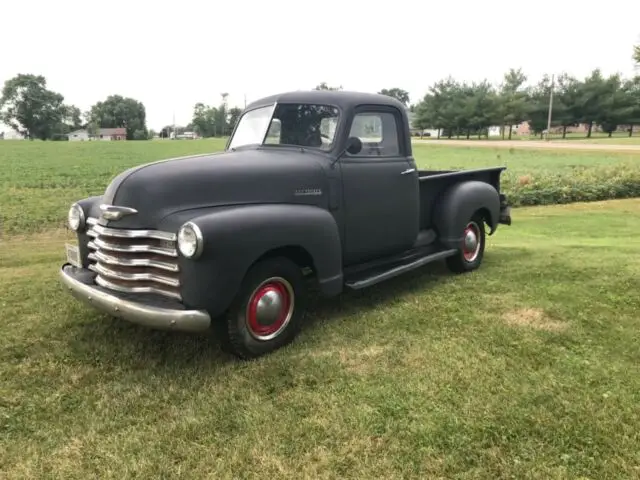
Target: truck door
[(380, 187)]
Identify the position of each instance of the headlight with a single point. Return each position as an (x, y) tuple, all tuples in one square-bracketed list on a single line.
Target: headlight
[(75, 217), (190, 241)]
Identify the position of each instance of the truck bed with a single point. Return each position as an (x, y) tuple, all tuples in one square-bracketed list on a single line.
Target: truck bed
[(434, 182)]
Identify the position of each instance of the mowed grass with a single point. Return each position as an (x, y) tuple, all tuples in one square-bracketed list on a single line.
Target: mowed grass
[(38, 180), (526, 368)]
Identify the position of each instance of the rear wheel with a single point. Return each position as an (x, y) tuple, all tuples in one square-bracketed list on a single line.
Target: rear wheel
[(469, 256), (267, 312)]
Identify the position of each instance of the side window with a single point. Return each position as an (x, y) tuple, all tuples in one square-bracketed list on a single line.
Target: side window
[(378, 132)]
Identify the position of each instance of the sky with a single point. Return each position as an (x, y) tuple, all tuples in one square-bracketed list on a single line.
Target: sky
[(171, 55)]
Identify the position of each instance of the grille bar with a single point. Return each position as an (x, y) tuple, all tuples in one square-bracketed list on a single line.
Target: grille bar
[(136, 288), (122, 233), (99, 244), (124, 275), (134, 261)]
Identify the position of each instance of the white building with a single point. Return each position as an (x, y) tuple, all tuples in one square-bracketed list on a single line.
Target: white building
[(104, 134)]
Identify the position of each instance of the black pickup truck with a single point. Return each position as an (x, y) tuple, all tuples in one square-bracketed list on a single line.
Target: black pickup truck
[(314, 186)]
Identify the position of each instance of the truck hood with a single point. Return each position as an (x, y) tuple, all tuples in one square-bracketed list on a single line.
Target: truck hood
[(162, 188)]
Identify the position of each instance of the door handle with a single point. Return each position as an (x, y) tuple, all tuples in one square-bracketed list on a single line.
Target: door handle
[(407, 171)]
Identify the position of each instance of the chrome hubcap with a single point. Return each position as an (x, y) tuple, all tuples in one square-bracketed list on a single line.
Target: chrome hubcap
[(270, 308), (471, 243)]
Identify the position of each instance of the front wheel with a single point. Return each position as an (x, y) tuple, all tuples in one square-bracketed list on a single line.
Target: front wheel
[(267, 312), (469, 256)]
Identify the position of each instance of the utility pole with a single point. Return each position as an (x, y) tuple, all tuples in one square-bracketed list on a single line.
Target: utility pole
[(550, 107)]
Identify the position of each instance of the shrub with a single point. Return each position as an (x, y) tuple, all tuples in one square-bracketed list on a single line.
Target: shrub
[(580, 184)]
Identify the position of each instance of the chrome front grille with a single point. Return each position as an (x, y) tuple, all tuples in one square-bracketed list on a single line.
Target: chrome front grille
[(134, 261)]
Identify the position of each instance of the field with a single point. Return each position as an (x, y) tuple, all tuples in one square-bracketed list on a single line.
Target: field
[(38, 181), (527, 368)]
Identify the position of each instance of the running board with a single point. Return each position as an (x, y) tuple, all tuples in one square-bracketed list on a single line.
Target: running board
[(366, 279)]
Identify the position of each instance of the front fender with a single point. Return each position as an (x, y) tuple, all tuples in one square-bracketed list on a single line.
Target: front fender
[(234, 238), (458, 204)]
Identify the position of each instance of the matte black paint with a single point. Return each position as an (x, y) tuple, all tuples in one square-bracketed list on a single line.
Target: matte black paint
[(245, 202), (458, 204), (235, 237), (243, 177)]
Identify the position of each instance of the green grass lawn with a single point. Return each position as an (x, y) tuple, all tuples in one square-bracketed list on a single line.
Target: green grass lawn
[(38, 180), (526, 368)]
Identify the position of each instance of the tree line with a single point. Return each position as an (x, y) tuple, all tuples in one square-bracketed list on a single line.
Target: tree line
[(208, 121), (452, 107), (463, 108), (32, 109)]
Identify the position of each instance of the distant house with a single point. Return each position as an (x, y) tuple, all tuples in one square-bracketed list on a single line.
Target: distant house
[(184, 135), (78, 135), (104, 134)]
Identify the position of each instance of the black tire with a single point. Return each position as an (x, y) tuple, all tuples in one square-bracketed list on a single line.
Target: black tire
[(273, 280), (469, 257)]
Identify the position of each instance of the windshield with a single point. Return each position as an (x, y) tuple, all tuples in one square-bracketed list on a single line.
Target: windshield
[(299, 124), (252, 127)]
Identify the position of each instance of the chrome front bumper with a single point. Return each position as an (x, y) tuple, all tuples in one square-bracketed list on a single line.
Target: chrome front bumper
[(77, 280)]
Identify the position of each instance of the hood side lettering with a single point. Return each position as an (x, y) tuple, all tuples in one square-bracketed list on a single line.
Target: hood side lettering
[(307, 192)]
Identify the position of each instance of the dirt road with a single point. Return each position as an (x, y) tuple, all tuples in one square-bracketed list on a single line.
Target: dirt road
[(557, 144)]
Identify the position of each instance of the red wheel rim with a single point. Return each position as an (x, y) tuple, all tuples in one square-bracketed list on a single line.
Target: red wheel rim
[(471, 242), (270, 308)]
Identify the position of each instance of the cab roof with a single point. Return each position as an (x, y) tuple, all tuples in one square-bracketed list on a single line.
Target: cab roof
[(340, 98)]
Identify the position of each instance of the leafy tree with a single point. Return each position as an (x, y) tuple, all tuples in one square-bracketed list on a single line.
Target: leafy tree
[(204, 120), (30, 108), (220, 118), (636, 54), (118, 111), (539, 105), (425, 113), (213, 121), (513, 105), (324, 86), (614, 107), (234, 116), (440, 107), (565, 104), (589, 99), (140, 135), (72, 117), (483, 108), (632, 91), (397, 93)]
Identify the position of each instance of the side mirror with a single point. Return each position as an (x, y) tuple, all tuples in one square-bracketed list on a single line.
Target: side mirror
[(354, 145)]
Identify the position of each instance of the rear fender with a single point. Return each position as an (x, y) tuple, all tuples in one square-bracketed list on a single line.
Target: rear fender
[(234, 238), (457, 205)]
